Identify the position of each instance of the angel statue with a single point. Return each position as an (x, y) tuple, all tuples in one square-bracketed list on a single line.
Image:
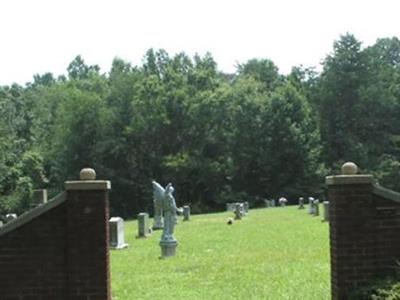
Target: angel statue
[(164, 199)]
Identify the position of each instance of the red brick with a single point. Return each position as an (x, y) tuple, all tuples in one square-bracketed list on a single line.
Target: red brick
[(364, 241), (62, 250)]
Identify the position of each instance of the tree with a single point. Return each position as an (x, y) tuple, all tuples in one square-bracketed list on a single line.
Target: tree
[(343, 74), (263, 70), (77, 69), (294, 147)]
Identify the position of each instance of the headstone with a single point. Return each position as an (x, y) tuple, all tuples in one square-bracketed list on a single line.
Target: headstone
[(282, 201), (246, 207), (311, 205), (158, 222), (238, 211), (10, 217), (39, 197), (117, 239), (316, 208), (267, 203), (230, 206), (143, 225), (242, 211), (186, 213), (326, 211), (301, 203), (1, 223), (273, 203), (158, 213)]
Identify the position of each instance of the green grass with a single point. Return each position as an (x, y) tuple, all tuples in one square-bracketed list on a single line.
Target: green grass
[(274, 253)]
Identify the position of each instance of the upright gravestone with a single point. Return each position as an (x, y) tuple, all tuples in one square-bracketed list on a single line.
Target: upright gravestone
[(143, 225), (311, 205), (238, 211), (273, 204), (230, 206), (158, 215), (186, 213), (316, 208), (301, 203), (39, 197), (266, 201), (242, 211), (282, 201), (246, 207), (117, 239), (1, 223), (10, 217), (326, 211)]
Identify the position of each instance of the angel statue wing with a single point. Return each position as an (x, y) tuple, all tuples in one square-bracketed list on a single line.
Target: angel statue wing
[(158, 191)]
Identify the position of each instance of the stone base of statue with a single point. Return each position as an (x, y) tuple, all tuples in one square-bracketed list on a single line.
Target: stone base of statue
[(168, 248)]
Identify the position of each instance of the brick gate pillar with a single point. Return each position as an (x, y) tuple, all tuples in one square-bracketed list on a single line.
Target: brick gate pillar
[(88, 270)]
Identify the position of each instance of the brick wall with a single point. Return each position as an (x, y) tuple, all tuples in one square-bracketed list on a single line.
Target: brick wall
[(60, 249), (364, 232)]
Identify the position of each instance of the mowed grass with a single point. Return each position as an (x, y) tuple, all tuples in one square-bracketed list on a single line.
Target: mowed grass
[(273, 253)]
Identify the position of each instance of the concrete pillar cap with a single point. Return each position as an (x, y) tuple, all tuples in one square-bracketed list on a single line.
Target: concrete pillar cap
[(349, 168), (87, 174)]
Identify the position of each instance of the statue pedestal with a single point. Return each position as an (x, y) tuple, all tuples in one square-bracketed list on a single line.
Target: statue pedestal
[(168, 248)]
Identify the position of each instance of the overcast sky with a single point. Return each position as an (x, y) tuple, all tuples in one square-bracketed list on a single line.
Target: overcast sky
[(38, 36)]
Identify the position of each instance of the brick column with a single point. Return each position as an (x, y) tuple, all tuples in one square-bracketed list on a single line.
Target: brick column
[(87, 257), (352, 238)]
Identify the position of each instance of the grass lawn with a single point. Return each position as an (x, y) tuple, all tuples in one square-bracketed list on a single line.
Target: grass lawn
[(273, 253)]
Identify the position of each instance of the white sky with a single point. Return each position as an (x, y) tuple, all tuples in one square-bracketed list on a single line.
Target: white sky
[(38, 36)]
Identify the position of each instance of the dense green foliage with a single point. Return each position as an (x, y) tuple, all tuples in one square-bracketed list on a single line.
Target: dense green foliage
[(387, 289), (218, 137), (274, 253)]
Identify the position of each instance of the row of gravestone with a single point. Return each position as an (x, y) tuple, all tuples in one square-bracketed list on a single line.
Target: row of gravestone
[(238, 208), (116, 226), (272, 202), (313, 207)]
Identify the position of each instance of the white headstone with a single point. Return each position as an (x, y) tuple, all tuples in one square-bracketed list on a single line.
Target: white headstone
[(246, 207), (282, 201), (39, 197), (10, 217), (310, 205), (326, 211), (117, 239), (230, 206)]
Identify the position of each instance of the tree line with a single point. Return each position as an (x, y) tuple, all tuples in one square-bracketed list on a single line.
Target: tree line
[(217, 137)]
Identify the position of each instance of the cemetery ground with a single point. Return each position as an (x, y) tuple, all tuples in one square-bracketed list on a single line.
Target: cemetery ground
[(272, 253)]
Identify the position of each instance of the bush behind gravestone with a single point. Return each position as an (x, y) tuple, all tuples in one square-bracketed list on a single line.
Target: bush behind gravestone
[(387, 289)]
